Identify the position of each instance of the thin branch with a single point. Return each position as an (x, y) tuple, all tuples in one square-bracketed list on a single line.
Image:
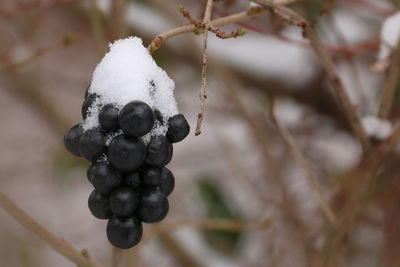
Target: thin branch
[(180, 253), (203, 90), (60, 245), (69, 39), (98, 29), (390, 84), (325, 10), (295, 19), (301, 160), (210, 224), (241, 16), (353, 192)]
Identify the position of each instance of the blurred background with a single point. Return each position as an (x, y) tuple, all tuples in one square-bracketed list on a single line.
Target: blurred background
[(239, 167)]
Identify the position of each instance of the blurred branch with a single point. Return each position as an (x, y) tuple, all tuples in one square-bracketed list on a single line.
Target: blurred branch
[(328, 5), (203, 90), (69, 39), (133, 257), (178, 251), (47, 107), (301, 160), (370, 6), (353, 191), (117, 21), (346, 49), (389, 87), (60, 245), (118, 258), (210, 224), (98, 29), (295, 19)]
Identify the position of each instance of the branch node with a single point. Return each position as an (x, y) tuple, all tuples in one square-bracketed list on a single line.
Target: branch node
[(253, 10), (155, 44)]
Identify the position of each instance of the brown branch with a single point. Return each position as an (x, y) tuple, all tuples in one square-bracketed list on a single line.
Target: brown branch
[(295, 19), (325, 10), (60, 245), (241, 16), (390, 84), (69, 39), (178, 251), (187, 15), (354, 190), (301, 160), (203, 90)]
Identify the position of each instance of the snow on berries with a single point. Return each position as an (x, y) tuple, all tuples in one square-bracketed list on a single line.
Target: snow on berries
[(130, 121)]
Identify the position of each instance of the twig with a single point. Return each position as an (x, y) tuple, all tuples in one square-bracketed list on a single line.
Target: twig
[(66, 41), (45, 105), (390, 84), (179, 252), (241, 16), (98, 30), (60, 245), (295, 19), (353, 192), (325, 10), (203, 90), (117, 21), (301, 160), (211, 224)]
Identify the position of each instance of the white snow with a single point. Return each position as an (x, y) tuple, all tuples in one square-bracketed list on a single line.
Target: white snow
[(375, 127), (126, 73), (390, 36)]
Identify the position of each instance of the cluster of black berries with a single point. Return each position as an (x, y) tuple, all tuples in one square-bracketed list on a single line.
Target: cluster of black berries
[(130, 178)]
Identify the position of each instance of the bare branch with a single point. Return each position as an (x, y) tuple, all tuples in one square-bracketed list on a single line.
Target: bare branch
[(295, 19), (354, 190), (60, 245), (69, 39), (301, 160), (241, 16), (203, 90), (390, 84)]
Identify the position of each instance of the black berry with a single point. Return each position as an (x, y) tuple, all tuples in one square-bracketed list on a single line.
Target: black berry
[(71, 140), (151, 176), (178, 128), (89, 173), (108, 118), (87, 103), (104, 178), (159, 151), (153, 206), (123, 201), (98, 205), (126, 154), (92, 144), (136, 118), (133, 180), (167, 182), (124, 233)]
